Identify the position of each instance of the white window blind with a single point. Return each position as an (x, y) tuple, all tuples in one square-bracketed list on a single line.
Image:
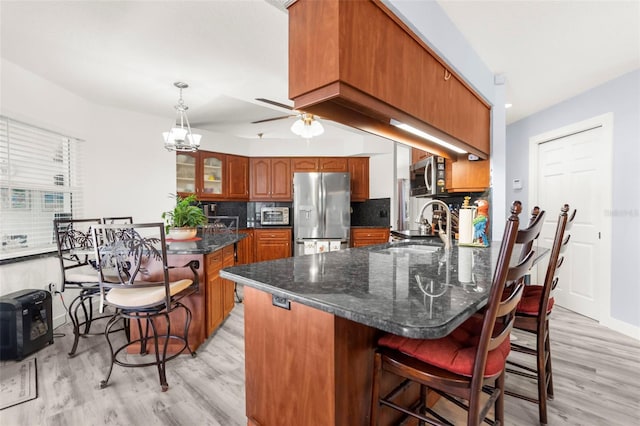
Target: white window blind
[(40, 180)]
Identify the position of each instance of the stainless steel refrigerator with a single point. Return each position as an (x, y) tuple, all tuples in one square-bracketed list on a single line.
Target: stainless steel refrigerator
[(321, 212)]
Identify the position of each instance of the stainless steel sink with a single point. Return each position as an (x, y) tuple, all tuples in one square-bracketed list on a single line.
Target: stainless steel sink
[(411, 249)]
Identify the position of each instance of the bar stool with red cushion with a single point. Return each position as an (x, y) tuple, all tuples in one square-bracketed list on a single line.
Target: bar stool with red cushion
[(532, 316), (472, 357)]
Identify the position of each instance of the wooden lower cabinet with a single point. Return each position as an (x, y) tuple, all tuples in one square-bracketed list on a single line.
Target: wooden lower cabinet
[(272, 244), (245, 248), (361, 237), (219, 291), (304, 366)]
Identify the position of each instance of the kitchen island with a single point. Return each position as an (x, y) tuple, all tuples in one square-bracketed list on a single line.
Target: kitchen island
[(312, 322)]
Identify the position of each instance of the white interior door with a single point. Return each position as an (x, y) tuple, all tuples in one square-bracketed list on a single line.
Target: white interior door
[(573, 168)]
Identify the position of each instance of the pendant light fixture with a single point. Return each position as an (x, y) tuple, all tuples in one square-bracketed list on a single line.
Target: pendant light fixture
[(180, 137), (307, 126)]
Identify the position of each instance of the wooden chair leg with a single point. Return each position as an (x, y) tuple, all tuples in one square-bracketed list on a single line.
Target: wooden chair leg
[(375, 399), (499, 405), (541, 362)]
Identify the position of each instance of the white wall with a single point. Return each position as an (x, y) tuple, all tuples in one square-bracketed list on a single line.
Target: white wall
[(621, 97), (127, 171)]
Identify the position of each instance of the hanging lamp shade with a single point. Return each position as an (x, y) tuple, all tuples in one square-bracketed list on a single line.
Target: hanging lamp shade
[(180, 137)]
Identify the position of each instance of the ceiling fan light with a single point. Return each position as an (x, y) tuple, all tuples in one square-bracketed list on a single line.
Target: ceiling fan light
[(307, 126)]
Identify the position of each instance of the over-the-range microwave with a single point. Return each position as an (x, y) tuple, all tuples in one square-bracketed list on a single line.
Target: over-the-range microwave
[(427, 177)]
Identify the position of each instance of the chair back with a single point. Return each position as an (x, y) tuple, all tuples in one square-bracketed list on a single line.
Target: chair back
[(132, 256), (499, 314), (556, 258), (75, 246), (117, 219), (536, 220)]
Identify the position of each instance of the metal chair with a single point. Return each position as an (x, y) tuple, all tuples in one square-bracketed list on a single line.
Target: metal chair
[(75, 253), (532, 316), (468, 361), (135, 281), (117, 219)]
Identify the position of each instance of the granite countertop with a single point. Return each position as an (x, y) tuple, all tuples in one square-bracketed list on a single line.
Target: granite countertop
[(372, 226), (377, 285), (203, 243)]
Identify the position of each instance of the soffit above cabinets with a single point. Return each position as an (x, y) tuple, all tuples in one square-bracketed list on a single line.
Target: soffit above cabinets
[(361, 66)]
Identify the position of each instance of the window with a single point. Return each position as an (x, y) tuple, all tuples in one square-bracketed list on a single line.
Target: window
[(39, 181)]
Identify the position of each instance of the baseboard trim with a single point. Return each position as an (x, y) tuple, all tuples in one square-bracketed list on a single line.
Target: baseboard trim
[(622, 327)]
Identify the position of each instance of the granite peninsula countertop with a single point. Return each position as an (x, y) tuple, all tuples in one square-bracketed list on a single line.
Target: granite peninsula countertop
[(414, 288), (203, 243)]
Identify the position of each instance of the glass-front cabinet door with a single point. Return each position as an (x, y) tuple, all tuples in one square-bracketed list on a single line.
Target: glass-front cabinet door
[(212, 182), (186, 173)]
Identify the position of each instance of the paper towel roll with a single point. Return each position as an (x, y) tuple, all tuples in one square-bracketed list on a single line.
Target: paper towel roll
[(465, 226)]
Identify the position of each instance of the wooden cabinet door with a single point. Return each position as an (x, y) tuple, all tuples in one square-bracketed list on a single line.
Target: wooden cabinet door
[(260, 172), (361, 237), (332, 164), (467, 176), (186, 172), (272, 244), (237, 177), (304, 164), (212, 176), (215, 313), (228, 286), (281, 179), (245, 247), (418, 154), (359, 170)]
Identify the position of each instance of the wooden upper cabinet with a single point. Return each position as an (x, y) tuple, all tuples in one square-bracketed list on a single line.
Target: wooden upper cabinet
[(318, 164), (212, 176), (304, 164), (418, 154), (281, 179), (360, 65), (467, 176), (237, 177), (270, 179), (359, 171), (332, 164)]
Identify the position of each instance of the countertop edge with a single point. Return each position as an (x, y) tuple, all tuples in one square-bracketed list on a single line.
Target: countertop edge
[(384, 325)]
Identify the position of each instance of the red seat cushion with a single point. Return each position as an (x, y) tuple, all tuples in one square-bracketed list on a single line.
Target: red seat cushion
[(530, 302), (455, 352)]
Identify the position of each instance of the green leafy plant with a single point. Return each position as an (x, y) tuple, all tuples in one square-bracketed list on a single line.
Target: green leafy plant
[(185, 214)]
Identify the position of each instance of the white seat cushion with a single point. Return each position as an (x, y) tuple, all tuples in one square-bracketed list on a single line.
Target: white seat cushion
[(143, 296)]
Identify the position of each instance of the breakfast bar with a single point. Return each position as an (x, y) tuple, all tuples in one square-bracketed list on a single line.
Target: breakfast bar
[(312, 323)]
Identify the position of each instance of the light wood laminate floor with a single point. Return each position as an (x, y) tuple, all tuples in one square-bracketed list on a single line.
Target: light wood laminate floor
[(596, 376)]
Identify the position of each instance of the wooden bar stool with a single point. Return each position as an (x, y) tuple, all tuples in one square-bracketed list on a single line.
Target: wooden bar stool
[(532, 316), (468, 361)]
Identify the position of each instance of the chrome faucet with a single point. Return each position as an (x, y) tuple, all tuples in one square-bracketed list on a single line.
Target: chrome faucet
[(444, 236)]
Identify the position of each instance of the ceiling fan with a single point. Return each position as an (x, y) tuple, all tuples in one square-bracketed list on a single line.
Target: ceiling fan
[(306, 126), (278, 104)]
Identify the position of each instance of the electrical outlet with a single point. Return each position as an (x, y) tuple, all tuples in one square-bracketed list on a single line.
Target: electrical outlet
[(52, 287)]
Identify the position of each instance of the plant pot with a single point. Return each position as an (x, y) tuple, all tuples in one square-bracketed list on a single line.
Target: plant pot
[(182, 233)]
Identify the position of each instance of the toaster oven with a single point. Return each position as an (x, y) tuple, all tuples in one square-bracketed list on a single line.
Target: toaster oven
[(274, 216)]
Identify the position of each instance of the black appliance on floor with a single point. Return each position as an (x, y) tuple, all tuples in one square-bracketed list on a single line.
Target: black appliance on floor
[(26, 324)]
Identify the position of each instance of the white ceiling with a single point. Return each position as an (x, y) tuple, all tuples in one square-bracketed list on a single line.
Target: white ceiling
[(127, 54)]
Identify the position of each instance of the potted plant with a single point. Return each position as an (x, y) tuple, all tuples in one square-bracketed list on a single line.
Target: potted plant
[(181, 223)]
